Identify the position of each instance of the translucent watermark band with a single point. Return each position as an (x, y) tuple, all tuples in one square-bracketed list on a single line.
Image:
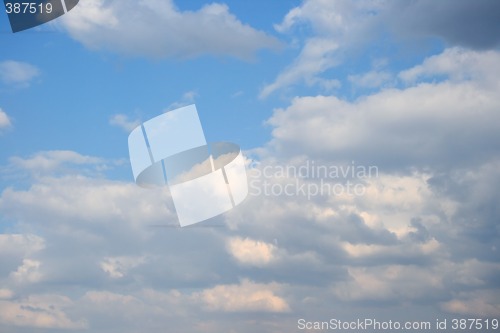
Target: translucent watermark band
[(205, 180)]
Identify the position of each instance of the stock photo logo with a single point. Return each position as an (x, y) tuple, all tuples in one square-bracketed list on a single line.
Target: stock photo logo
[(205, 180), (25, 15)]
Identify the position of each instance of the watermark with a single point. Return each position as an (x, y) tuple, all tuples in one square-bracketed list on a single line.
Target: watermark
[(204, 179), (372, 324), (363, 324), (310, 179), (25, 15)]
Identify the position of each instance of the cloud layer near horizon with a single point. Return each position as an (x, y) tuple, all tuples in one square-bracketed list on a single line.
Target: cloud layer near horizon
[(424, 233)]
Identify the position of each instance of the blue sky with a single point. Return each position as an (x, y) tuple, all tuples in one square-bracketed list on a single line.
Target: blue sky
[(410, 87)]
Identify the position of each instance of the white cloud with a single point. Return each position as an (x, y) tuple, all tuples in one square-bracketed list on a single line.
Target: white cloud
[(421, 235), (4, 119), (177, 309), (336, 26), (123, 121), (315, 57), (403, 121), (371, 79), (158, 29), (388, 283), (251, 252), (117, 267), (244, 297), (17, 73), (49, 161), (333, 18), (426, 227), (20, 245), (354, 26), (28, 272), (87, 200), (458, 64), (367, 251)]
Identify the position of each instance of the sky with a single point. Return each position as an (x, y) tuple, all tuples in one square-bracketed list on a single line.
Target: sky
[(371, 133)]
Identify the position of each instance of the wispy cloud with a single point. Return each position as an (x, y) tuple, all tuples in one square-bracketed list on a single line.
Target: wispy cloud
[(123, 121), (4, 120), (187, 98), (18, 74)]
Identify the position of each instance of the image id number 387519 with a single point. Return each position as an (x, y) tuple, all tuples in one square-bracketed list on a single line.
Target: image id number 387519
[(474, 324), (28, 7)]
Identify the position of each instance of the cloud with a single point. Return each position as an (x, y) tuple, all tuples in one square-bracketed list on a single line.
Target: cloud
[(422, 236), (158, 29), (371, 79), (51, 160), (187, 98), (247, 296), (340, 30), (4, 120), (123, 121), (315, 57), (117, 267), (19, 243), (459, 23), (86, 200), (18, 74), (426, 227), (38, 311), (15, 249), (58, 162), (484, 303), (251, 252), (335, 253), (421, 125), (457, 65), (6, 294), (335, 26), (29, 272), (392, 282)]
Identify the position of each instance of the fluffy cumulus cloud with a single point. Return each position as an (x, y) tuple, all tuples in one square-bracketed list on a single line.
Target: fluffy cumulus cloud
[(438, 124), (251, 252), (105, 255), (134, 241), (424, 230), (244, 297), (159, 29)]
